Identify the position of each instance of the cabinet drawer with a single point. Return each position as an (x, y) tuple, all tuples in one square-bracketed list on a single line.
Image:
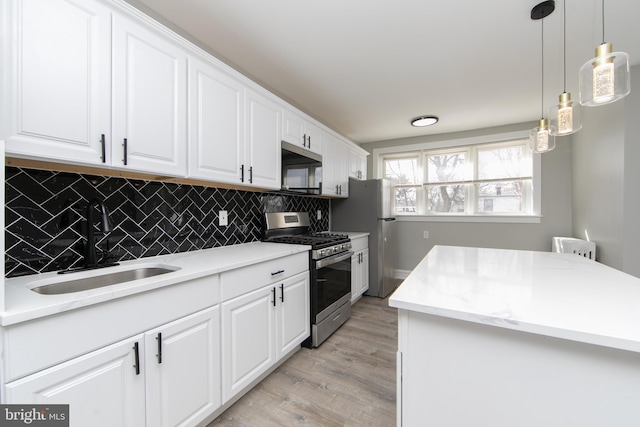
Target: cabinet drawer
[(360, 243), (242, 280), (73, 333)]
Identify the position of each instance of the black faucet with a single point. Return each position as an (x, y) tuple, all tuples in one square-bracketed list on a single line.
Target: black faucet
[(90, 260)]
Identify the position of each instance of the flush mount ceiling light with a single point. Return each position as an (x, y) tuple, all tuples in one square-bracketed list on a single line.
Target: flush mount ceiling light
[(424, 121), (542, 139), (565, 117), (605, 78)]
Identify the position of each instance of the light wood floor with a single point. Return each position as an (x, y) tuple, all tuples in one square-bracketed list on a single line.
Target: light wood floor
[(350, 380)]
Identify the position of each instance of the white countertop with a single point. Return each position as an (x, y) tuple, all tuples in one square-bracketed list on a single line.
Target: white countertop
[(353, 234), (22, 304), (558, 295)]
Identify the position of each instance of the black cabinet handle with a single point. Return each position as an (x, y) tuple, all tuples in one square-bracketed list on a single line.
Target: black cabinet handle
[(273, 292), (277, 272), (136, 351), (159, 339), (125, 152), (309, 141), (304, 140), (282, 292), (104, 153), (242, 173), (251, 175)]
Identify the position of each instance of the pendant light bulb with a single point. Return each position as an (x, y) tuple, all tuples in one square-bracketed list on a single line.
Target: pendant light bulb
[(605, 78), (542, 138), (565, 117)]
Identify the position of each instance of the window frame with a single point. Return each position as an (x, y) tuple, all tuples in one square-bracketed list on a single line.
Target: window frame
[(531, 214)]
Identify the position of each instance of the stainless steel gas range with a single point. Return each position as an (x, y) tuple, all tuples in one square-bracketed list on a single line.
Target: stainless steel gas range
[(329, 266)]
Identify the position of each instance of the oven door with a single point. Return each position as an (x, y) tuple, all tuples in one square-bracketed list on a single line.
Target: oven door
[(331, 285)]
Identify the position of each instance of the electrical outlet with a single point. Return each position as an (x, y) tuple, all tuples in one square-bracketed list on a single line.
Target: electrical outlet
[(319, 215), (425, 233), (223, 219)]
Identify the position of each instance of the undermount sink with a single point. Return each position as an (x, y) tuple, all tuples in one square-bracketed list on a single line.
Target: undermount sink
[(57, 287)]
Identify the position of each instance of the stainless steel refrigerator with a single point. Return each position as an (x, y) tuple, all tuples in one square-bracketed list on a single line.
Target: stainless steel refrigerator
[(369, 208)]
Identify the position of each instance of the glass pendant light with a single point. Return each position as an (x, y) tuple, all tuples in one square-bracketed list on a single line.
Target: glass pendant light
[(542, 138), (565, 117), (605, 78)]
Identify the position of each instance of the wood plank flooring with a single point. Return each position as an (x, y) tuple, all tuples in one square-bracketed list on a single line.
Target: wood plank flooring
[(350, 380)]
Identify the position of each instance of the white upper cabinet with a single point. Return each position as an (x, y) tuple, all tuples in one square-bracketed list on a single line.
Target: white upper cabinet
[(234, 131), (357, 163), (335, 167), (64, 102), (298, 130), (149, 100), (262, 141), (56, 88), (216, 123)]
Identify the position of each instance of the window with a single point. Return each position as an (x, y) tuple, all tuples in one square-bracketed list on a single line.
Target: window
[(486, 179)]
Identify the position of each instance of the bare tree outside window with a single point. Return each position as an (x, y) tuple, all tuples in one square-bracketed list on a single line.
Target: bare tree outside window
[(403, 173), (446, 168), (492, 179)]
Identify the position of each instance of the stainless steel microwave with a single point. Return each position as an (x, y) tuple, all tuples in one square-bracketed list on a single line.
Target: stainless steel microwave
[(301, 170)]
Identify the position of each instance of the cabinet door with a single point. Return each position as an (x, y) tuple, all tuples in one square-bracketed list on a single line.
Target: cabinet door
[(335, 167), (293, 313), (314, 138), (149, 92), (101, 388), (248, 332), (355, 277), (342, 168), (264, 132), (357, 164), (293, 128), (183, 370), (364, 272), (216, 123), (57, 67)]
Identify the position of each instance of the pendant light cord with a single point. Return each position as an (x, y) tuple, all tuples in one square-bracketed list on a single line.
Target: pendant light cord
[(542, 71), (602, 21), (564, 42)]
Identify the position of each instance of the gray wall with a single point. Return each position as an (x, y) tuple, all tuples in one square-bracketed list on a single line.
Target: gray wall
[(605, 158), (556, 208)]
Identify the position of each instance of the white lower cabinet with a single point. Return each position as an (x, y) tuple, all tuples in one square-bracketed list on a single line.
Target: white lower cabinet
[(359, 274), (359, 267), (101, 388), (183, 370), (143, 380), (260, 327)]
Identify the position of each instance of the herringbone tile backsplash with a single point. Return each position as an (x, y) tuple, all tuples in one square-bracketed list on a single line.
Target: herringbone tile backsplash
[(45, 215)]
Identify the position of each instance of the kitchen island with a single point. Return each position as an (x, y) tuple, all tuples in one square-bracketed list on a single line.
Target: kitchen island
[(492, 337)]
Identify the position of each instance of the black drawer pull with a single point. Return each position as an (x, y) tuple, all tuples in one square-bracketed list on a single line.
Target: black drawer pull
[(136, 351), (103, 148), (277, 272), (159, 339)]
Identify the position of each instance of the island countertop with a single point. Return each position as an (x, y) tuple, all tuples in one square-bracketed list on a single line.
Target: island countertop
[(559, 295)]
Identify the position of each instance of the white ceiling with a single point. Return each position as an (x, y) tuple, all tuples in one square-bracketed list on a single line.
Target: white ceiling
[(365, 68)]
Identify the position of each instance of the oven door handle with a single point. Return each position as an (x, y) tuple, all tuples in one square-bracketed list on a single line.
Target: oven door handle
[(333, 259)]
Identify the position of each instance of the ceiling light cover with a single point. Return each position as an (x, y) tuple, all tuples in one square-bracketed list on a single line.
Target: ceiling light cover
[(424, 121)]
